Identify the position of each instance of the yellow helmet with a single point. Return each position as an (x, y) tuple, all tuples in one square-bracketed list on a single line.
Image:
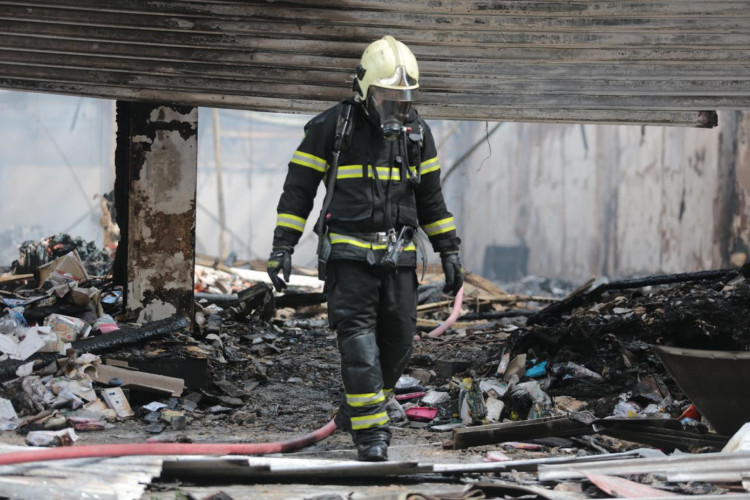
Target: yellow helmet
[(388, 64)]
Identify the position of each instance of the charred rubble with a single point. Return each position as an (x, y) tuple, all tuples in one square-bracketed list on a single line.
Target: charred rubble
[(525, 372)]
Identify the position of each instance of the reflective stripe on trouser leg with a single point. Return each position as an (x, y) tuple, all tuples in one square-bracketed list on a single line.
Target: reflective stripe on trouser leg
[(397, 323), (353, 302)]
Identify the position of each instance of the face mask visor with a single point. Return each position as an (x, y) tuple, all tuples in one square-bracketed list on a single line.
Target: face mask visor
[(391, 107)]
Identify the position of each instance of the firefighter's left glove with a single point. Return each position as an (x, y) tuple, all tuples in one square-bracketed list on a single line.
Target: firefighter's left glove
[(280, 260), (454, 272)]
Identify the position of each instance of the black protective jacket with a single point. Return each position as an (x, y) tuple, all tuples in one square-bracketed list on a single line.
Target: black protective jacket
[(375, 189)]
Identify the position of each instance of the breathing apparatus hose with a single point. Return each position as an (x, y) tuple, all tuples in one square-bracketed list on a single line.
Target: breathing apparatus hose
[(136, 449), (455, 312)]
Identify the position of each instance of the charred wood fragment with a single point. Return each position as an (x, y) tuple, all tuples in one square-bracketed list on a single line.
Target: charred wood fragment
[(666, 279), (580, 296), (102, 343), (127, 336), (497, 314), (289, 299)]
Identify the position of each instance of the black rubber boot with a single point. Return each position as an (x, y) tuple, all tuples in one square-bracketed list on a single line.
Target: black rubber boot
[(373, 452)]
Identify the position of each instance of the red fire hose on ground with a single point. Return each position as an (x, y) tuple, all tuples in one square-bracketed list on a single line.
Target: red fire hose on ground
[(136, 449), (121, 450)]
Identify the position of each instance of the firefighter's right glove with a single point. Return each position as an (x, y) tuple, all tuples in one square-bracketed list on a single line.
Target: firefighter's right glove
[(280, 260), (454, 272)]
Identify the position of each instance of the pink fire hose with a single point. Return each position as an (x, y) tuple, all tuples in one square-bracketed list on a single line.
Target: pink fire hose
[(121, 450), (455, 312), (135, 449)]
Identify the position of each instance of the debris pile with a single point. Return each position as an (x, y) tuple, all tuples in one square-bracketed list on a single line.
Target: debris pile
[(522, 380), (34, 254)]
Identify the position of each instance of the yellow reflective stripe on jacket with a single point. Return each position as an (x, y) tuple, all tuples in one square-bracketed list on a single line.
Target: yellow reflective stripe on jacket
[(385, 173), (368, 421), (349, 172), (291, 221), (308, 160), (387, 392), (439, 227), (371, 398), (338, 239), (428, 166)]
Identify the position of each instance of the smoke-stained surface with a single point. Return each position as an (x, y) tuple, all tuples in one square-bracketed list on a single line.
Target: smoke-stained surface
[(554, 200)]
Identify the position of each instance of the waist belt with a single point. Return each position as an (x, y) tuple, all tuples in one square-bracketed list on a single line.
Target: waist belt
[(379, 237), (374, 241)]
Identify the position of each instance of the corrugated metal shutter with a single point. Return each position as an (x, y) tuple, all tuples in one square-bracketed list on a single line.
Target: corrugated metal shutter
[(616, 61)]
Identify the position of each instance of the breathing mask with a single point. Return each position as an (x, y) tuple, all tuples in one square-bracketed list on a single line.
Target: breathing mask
[(389, 108)]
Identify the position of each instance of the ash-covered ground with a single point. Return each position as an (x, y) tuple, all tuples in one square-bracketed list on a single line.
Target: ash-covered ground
[(257, 373)]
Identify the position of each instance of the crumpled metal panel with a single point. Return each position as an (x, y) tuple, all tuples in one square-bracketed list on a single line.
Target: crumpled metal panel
[(715, 381), (563, 61)]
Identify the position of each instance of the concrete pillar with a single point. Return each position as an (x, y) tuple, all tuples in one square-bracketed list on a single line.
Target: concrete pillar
[(156, 164)]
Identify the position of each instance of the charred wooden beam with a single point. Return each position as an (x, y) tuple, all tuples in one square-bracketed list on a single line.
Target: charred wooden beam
[(523, 430), (131, 336), (122, 338)]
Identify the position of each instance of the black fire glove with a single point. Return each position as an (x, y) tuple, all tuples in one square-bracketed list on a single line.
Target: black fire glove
[(454, 272), (280, 260)]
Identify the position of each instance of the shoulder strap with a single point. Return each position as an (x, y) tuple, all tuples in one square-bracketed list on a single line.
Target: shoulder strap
[(342, 123)]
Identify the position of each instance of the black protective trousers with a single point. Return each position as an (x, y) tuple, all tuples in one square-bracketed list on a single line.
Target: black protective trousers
[(374, 313)]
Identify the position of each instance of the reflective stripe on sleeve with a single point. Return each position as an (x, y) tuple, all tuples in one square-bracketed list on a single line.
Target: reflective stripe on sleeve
[(291, 221), (439, 227), (430, 165), (308, 160), (371, 398), (368, 421), (338, 239)]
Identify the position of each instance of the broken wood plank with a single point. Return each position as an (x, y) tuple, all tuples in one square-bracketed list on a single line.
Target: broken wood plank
[(523, 430), (148, 382), (12, 278), (434, 305), (192, 370), (484, 284)]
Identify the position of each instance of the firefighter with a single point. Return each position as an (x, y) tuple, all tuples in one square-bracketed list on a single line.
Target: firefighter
[(382, 174)]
